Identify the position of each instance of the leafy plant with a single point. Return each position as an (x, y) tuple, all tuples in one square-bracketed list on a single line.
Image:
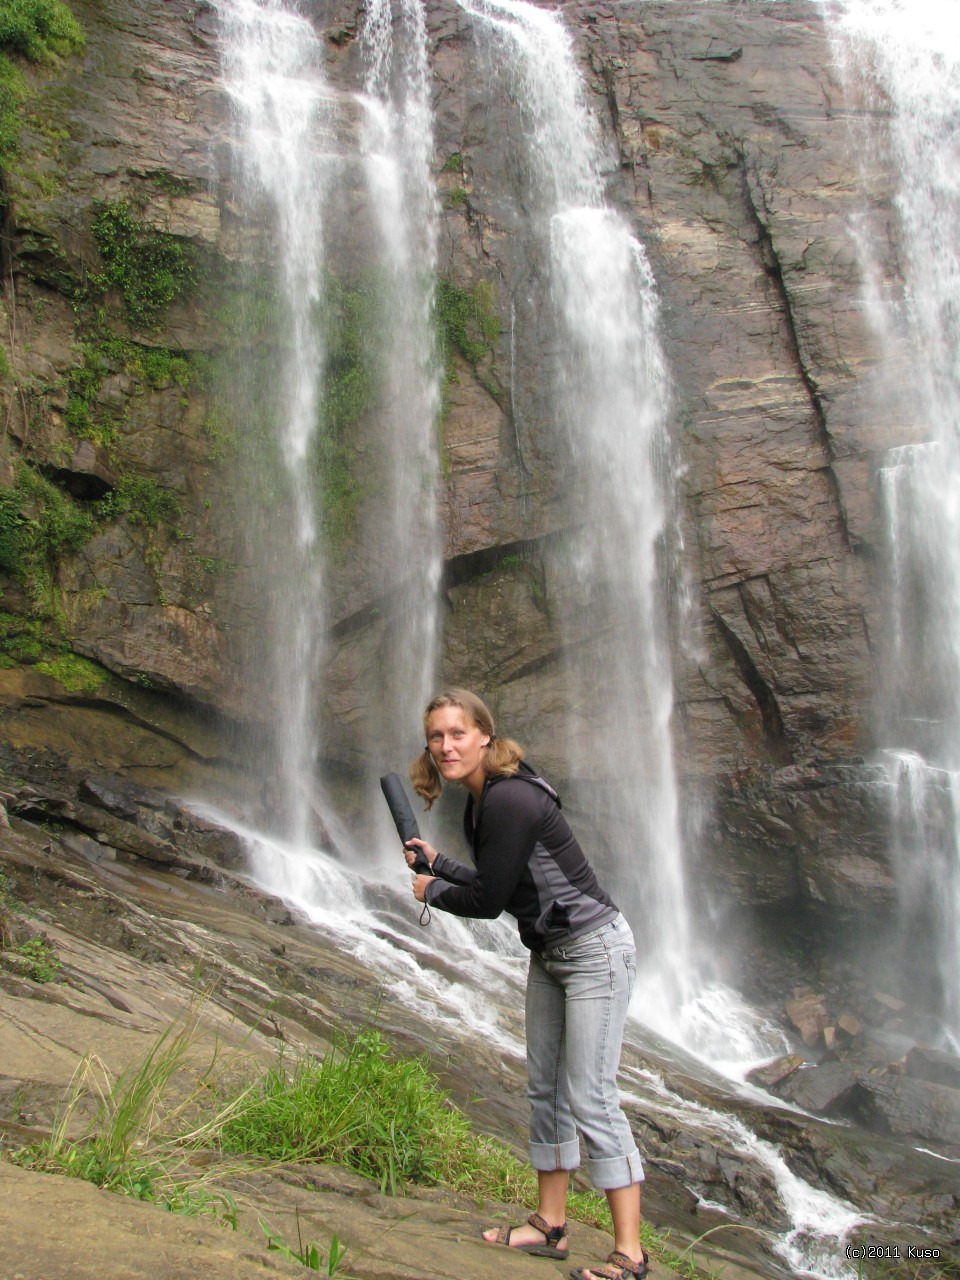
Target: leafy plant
[(150, 268), (38, 524), (43, 961), (39, 30), (466, 320), (14, 536), (143, 501)]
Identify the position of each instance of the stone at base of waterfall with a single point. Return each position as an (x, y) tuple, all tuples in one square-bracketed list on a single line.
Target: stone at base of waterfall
[(772, 1074), (933, 1065), (824, 1089), (890, 1102), (808, 1013)]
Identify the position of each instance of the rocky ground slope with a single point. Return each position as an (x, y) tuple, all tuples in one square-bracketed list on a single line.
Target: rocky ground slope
[(136, 937)]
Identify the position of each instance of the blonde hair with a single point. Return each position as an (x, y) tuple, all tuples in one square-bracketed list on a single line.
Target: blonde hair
[(502, 758)]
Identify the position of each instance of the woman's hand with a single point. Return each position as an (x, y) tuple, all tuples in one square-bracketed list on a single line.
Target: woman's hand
[(411, 847), (420, 886)]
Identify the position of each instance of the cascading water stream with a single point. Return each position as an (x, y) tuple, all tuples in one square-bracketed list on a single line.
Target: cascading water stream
[(297, 175), (904, 59), (397, 142), (612, 396), (271, 69)]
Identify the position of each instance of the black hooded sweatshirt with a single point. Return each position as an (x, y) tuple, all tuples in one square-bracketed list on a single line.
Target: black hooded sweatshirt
[(527, 862)]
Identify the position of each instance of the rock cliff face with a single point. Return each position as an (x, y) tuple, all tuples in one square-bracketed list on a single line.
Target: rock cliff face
[(126, 316)]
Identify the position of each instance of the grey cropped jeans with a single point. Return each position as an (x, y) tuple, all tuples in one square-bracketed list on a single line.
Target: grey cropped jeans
[(576, 1006)]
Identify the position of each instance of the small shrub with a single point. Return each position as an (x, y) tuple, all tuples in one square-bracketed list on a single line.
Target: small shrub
[(14, 536), (466, 320), (143, 501), (149, 268), (44, 963), (38, 524), (39, 30)]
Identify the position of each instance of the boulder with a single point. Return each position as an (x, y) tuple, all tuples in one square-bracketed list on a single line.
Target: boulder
[(773, 1074), (808, 1013), (897, 1104), (933, 1065), (823, 1089)]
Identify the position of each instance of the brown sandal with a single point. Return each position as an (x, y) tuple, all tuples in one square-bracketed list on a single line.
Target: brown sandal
[(551, 1239), (621, 1268)]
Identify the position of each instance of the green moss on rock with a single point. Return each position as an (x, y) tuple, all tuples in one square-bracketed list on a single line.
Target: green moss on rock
[(466, 320), (39, 31)]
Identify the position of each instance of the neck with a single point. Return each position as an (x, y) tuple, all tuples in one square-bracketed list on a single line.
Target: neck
[(475, 784)]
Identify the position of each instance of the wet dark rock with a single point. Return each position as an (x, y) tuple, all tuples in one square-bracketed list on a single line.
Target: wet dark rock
[(822, 1089), (934, 1066), (909, 1108)]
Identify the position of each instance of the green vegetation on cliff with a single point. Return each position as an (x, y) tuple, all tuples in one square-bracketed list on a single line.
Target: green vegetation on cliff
[(149, 268), (38, 524), (466, 321), (154, 367), (39, 31)]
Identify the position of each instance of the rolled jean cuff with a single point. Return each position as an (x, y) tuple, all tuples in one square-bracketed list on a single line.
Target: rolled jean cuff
[(547, 1157), (618, 1171)]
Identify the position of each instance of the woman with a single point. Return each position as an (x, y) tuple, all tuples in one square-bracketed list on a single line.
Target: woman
[(582, 966)]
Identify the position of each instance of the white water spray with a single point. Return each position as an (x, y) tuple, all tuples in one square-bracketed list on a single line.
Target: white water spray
[(272, 72), (397, 143), (289, 124), (904, 59), (612, 397)]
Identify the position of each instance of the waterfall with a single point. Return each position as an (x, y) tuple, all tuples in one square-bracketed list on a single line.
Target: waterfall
[(904, 60), (306, 154), (611, 398), (398, 152), (341, 188), (271, 70)]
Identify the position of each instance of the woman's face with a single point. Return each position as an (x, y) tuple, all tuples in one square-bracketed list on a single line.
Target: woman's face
[(457, 747)]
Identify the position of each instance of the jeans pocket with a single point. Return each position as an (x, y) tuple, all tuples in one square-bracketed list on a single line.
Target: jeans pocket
[(630, 962)]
